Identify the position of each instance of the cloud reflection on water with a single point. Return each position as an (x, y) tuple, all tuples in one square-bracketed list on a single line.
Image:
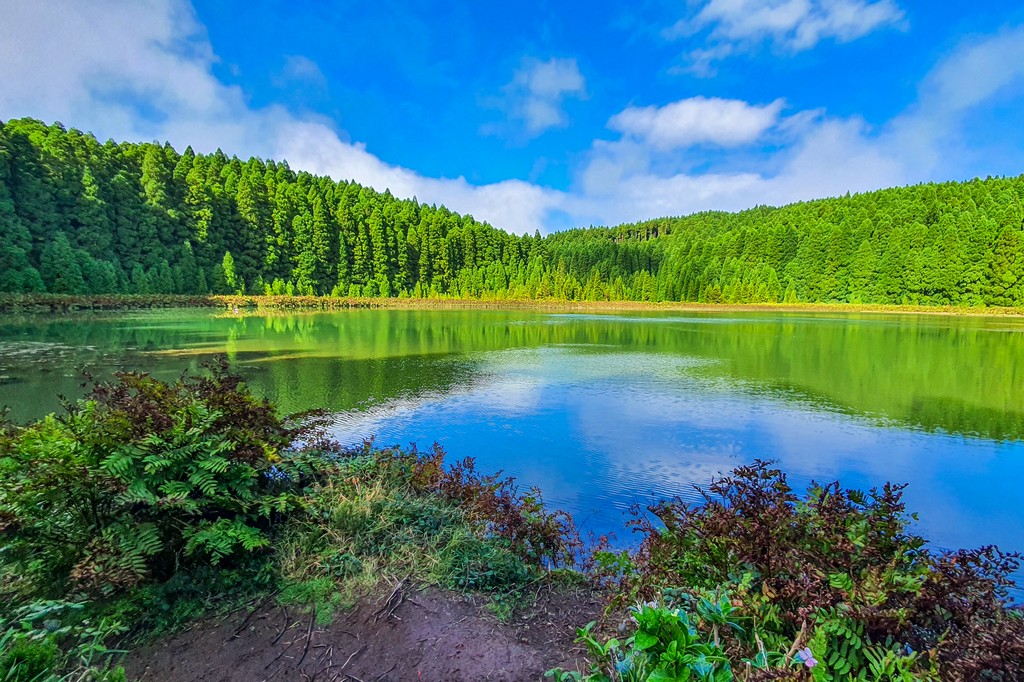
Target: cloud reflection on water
[(597, 431)]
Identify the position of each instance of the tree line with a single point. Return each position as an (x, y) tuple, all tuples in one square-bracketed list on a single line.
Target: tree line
[(82, 217)]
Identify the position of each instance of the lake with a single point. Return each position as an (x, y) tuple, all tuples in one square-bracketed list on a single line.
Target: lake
[(603, 410)]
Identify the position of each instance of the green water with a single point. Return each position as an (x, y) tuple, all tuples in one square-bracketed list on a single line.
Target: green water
[(960, 375), (602, 410)]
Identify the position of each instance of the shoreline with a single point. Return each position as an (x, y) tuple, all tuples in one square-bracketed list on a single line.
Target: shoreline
[(406, 562), (60, 304)]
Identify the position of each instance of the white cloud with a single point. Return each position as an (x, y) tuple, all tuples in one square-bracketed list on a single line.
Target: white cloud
[(697, 120), (975, 72), (301, 70), (789, 25), (829, 157), (536, 93), (511, 204), (67, 59), (982, 68), (143, 69), (635, 178), (107, 66)]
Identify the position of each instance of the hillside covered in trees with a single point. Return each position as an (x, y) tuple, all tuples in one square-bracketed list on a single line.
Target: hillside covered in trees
[(82, 217)]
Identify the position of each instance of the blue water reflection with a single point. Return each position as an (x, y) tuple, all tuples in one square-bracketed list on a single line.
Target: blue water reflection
[(598, 431), (599, 411)]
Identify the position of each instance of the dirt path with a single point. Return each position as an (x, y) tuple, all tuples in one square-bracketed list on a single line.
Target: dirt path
[(400, 635)]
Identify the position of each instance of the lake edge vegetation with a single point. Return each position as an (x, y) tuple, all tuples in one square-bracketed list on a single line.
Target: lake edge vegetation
[(82, 217), (60, 303), (127, 512)]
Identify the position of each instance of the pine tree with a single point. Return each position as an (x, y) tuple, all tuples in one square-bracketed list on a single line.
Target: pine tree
[(305, 268), (324, 256), (15, 240), (92, 224), (59, 268), (1005, 286), (232, 283), (125, 212), (161, 280), (188, 271), (139, 281)]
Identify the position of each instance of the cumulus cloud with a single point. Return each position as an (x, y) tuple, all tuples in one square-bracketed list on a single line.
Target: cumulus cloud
[(817, 155), (535, 96), (511, 204), (143, 70), (90, 62), (697, 120), (623, 182), (788, 25)]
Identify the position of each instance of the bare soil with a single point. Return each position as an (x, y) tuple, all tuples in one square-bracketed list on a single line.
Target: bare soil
[(400, 634)]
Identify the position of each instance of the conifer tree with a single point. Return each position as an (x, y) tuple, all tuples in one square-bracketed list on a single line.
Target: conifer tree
[(59, 268)]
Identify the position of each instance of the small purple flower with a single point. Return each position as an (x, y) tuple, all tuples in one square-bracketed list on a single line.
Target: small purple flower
[(807, 657)]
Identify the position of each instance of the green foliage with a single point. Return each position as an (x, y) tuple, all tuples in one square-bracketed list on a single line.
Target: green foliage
[(833, 582), (73, 212), (319, 594), (471, 562), (397, 515), (664, 647), (886, 663), (158, 608), (27, 661), (838, 644), (60, 269), (146, 500), (141, 478), (47, 641)]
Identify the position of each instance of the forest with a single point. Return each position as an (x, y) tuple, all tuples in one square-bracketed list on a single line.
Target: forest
[(78, 216)]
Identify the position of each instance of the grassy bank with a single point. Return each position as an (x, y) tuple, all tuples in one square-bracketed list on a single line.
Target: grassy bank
[(147, 506), (52, 303)]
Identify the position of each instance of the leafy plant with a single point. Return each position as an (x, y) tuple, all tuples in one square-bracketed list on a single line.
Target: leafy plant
[(46, 641), (665, 647), (519, 520), (833, 582), (141, 478), (838, 645)]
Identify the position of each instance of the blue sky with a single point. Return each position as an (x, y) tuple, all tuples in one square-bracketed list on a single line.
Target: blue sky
[(545, 115)]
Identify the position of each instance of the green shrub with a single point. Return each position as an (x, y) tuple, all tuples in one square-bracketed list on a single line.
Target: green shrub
[(152, 503), (470, 562), (398, 514), (141, 478), (665, 646), (28, 661), (834, 579), (161, 607), (47, 641)]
